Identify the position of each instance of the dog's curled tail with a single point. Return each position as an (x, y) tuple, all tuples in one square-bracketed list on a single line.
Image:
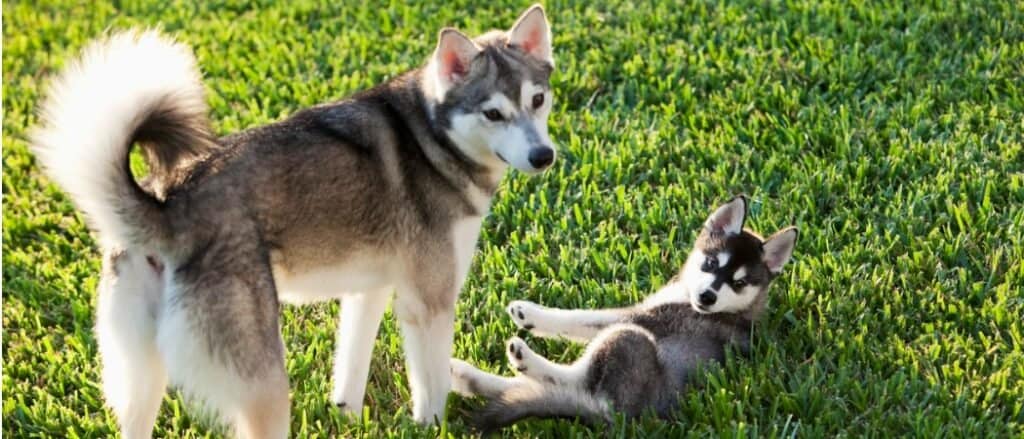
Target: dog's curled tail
[(132, 87), (543, 401)]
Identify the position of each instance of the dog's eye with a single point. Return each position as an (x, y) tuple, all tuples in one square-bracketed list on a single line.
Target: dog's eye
[(737, 284), (710, 264), (494, 115), (538, 100)]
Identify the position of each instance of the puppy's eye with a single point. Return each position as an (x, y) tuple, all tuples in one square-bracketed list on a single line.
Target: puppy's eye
[(538, 100), (737, 284), (710, 264), (493, 115)]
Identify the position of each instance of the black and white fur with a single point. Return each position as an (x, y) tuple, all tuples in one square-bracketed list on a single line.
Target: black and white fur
[(639, 358), (377, 194)]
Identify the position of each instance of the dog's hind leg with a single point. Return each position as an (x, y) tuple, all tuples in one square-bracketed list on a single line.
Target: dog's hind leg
[(622, 364), (467, 380), (357, 331), (133, 373), (265, 411), (528, 363), (220, 338)]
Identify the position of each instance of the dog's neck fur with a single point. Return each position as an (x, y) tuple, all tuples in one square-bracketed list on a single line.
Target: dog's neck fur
[(477, 181)]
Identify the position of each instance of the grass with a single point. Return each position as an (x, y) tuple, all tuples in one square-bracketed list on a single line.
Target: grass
[(890, 132)]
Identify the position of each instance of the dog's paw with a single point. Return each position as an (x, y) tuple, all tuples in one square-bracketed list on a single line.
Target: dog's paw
[(348, 405), (528, 363), (463, 380), (524, 313), (346, 409), (519, 354)]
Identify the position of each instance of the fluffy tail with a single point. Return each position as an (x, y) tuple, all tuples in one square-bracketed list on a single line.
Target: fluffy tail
[(536, 400), (131, 87)]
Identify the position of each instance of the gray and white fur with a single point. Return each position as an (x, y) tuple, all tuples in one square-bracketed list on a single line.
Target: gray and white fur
[(641, 358), (380, 192)]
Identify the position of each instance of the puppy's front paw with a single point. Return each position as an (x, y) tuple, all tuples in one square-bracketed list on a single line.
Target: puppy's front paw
[(524, 313)]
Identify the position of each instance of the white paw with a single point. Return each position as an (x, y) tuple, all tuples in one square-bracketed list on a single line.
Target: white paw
[(524, 313), (462, 377), (519, 355), (428, 419), (348, 408), (528, 363)]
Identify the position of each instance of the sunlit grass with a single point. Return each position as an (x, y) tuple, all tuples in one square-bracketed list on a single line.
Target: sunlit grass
[(890, 133)]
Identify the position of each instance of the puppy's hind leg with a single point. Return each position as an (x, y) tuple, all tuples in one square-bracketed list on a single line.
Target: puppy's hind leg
[(622, 364), (133, 372), (467, 380), (220, 339), (527, 362)]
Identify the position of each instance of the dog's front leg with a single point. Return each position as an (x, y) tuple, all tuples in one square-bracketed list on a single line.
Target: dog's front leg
[(357, 331), (427, 320), (574, 324)]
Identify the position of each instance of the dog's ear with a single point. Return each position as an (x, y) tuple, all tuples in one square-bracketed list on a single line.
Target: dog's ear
[(728, 219), (452, 58), (779, 248), (532, 35)]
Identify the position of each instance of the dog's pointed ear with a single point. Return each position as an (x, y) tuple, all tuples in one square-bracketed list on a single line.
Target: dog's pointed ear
[(453, 57), (779, 248), (728, 219), (532, 35)]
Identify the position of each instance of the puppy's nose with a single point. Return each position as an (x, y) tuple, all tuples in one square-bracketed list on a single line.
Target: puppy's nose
[(541, 157), (708, 298)]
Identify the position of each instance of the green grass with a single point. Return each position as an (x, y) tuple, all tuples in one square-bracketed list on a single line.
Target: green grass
[(891, 134)]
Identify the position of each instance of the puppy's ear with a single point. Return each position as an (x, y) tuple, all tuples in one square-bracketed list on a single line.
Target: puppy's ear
[(452, 58), (779, 248), (532, 35), (729, 218)]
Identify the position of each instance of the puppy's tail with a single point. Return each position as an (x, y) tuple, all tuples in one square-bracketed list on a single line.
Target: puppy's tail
[(540, 401), (131, 87)]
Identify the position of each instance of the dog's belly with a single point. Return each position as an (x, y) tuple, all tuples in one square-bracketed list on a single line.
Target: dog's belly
[(303, 279), (325, 282)]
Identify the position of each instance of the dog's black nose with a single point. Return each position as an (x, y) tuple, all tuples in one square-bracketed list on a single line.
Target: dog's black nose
[(708, 298), (541, 157)]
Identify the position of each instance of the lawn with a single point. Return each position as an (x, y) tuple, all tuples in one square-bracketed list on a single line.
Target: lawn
[(893, 135)]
